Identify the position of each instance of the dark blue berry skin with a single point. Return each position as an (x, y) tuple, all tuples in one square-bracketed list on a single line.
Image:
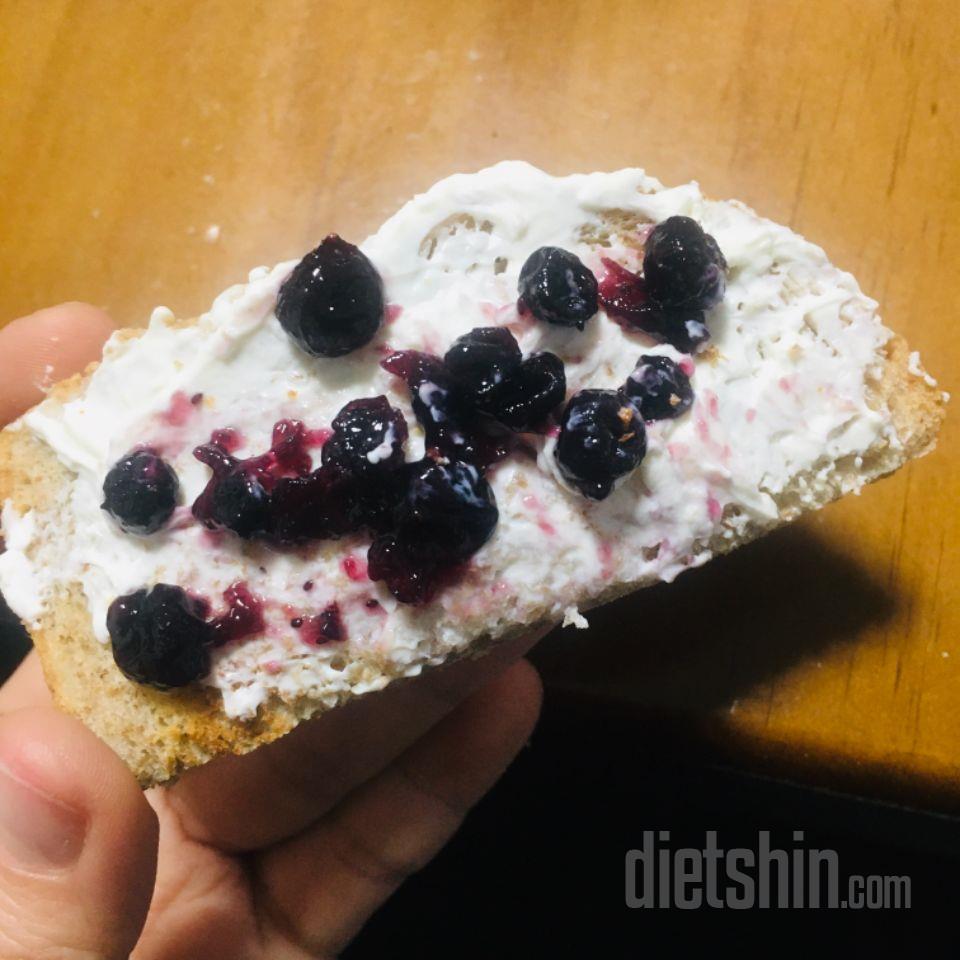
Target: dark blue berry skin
[(601, 438), (140, 492), (481, 359), (314, 507), (448, 512), (556, 287), (159, 637), (409, 581), (659, 389), (523, 400), (241, 503), (441, 409), (683, 266), (361, 432), (332, 303)]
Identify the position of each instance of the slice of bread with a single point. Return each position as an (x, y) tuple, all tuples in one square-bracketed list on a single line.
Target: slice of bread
[(159, 734)]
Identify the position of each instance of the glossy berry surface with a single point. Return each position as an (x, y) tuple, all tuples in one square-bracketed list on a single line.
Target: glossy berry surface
[(524, 399), (659, 389), (332, 303), (140, 492), (240, 503), (482, 358), (601, 438), (159, 637), (240, 495), (627, 300), (408, 580), (682, 265), (556, 287), (368, 436), (448, 513)]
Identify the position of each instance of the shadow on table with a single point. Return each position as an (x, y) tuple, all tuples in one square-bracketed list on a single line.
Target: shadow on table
[(718, 632)]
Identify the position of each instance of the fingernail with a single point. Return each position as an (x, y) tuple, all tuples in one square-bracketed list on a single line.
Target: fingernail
[(36, 831)]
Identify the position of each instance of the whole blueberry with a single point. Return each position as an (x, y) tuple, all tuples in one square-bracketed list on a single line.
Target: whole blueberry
[(332, 302), (682, 265), (601, 438), (558, 288), (480, 359), (448, 512), (159, 636), (140, 492), (659, 389)]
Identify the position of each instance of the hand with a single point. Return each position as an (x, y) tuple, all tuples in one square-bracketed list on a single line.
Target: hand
[(282, 854)]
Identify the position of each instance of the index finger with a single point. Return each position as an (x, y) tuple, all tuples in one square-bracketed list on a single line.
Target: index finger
[(38, 350)]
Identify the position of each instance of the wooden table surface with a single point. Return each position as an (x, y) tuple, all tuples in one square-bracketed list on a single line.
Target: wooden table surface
[(153, 152)]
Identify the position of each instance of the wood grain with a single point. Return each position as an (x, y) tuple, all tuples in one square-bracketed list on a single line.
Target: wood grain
[(829, 651)]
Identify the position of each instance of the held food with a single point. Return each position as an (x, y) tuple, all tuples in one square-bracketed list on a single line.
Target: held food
[(523, 396)]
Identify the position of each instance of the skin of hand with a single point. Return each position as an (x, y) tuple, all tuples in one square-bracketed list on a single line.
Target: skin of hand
[(280, 855)]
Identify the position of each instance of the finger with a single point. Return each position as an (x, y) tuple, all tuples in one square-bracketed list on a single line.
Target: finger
[(26, 688), (77, 842), (38, 350), (315, 891), (247, 803)]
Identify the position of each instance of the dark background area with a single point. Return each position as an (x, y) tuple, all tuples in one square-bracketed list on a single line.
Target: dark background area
[(538, 868)]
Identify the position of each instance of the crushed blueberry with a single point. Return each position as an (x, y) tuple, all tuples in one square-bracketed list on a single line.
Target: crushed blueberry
[(602, 437), (368, 436), (525, 398), (447, 514), (659, 389), (242, 618), (240, 494), (683, 266), (332, 303), (450, 423), (626, 299), (140, 492), (326, 627), (159, 636), (556, 287)]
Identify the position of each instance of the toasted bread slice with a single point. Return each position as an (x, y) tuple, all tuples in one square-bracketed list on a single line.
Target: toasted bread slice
[(886, 411)]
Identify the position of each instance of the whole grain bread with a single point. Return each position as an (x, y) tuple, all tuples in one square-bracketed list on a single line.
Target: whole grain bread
[(159, 734)]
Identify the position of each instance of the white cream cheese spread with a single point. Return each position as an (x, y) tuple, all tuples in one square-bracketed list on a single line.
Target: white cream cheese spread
[(781, 393)]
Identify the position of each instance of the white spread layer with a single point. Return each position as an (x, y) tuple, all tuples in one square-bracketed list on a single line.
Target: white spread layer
[(782, 394)]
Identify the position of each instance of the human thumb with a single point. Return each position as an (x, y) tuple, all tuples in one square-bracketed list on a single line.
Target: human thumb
[(78, 843)]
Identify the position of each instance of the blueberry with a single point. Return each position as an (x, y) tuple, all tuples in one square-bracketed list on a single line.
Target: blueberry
[(683, 265), (159, 636), (557, 288), (659, 389), (368, 437), (440, 407), (241, 503), (627, 300), (448, 513), (407, 580), (314, 507), (332, 302), (524, 399), (480, 359), (140, 492), (601, 438)]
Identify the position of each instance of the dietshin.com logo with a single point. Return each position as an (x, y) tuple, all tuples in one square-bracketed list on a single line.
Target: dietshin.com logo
[(741, 878)]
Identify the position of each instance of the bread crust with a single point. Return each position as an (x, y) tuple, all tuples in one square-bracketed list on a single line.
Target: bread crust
[(160, 734)]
